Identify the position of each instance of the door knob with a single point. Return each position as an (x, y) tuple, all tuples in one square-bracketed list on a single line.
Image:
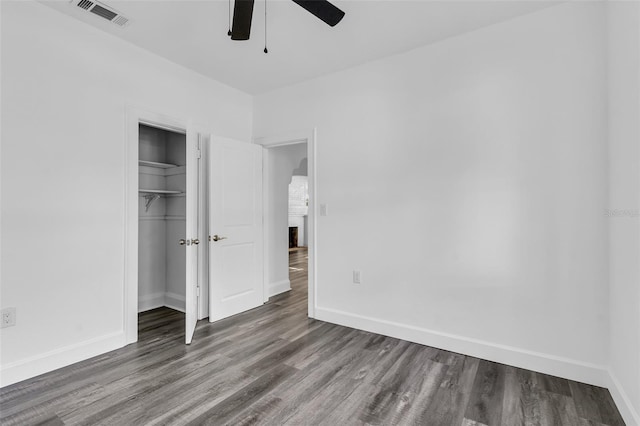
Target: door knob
[(216, 238), (196, 241), (182, 242)]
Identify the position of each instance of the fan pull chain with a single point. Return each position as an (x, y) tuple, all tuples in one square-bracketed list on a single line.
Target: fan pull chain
[(265, 27), (229, 32)]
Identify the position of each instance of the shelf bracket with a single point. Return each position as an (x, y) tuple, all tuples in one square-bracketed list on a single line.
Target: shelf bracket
[(150, 199)]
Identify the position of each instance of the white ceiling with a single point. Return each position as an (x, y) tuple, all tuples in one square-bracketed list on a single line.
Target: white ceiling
[(301, 47)]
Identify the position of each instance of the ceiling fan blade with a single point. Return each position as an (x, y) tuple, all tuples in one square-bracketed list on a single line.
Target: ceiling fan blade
[(242, 13), (322, 9)]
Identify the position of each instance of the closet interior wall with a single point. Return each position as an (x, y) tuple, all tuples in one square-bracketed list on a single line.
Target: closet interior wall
[(162, 183)]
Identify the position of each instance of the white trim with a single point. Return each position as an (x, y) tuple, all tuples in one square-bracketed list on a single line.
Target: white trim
[(536, 361), (174, 301), (266, 271), (34, 366), (162, 122), (310, 138), (622, 400), (278, 287), (203, 225), (150, 301), (313, 214), (135, 116)]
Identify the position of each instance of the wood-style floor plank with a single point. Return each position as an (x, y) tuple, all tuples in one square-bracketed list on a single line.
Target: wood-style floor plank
[(274, 366), (449, 404), (485, 402)]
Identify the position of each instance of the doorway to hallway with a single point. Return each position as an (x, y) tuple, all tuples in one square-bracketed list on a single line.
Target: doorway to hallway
[(278, 172)]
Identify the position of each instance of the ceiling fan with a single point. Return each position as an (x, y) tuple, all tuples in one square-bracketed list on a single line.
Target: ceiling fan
[(243, 11)]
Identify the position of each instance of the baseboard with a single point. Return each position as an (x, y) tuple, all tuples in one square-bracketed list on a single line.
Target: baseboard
[(174, 301), (150, 301), (517, 357), (34, 366), (278, 287), (157, 300), (629, 414)]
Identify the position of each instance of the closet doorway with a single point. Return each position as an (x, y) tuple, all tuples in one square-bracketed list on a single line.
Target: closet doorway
[(162, 230), (163, 255)]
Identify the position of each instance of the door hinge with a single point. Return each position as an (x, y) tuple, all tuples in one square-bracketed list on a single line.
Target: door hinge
[(198, 291), (199, 153)]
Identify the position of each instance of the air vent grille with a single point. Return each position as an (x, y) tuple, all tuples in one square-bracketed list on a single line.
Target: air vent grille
[(105, 13), (102, 10), (120, 20), (85, 4)]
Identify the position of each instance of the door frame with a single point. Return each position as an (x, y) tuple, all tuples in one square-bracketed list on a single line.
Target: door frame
[(135, 116), (294, 138)]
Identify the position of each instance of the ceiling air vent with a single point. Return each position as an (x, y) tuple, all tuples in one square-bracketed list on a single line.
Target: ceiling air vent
[(85, 4), (102, 10)]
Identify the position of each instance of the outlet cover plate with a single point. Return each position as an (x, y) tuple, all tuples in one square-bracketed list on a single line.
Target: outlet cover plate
[(8, 318)]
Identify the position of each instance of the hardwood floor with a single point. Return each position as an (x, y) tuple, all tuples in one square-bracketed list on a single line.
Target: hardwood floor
[(274, 366)]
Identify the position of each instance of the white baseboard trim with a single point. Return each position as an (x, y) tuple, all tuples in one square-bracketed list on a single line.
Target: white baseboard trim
[(174, 301), (278, 287), (150, 301), (34, 366), (629, 414), (157, 300), (517, 357)]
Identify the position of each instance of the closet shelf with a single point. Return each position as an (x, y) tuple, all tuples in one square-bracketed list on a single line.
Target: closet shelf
[(156, 164), (159, 191)]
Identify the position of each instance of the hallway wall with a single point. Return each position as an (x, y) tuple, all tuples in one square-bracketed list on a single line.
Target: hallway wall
[(281, 162)]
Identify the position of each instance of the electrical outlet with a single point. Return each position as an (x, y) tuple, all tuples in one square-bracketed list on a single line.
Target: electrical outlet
[(357, 276), (8, 317)]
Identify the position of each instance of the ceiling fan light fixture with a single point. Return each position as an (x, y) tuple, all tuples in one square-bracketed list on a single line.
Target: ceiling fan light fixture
[(242, 15), (322, 10)]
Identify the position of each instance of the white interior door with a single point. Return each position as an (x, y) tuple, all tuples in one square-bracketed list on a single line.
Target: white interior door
[(235, 227), (191, 239)]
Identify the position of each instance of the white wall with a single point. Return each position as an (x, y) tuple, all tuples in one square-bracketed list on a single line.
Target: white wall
[(152, 242), (65, 88), (624, 203), (471, 176), (280, 162), (152, 233)]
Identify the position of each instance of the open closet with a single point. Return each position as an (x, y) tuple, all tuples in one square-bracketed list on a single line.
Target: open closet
[(162, 218), (194, 223)]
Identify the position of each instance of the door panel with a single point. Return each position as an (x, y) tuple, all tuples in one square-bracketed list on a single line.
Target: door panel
[(235, 221), (191, 246)]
